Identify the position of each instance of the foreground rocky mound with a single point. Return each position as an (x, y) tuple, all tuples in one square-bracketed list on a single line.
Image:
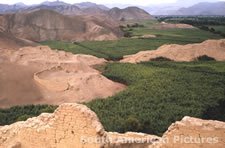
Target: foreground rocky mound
[(48, 25), (190, 52), (74, 125), (56, 76)]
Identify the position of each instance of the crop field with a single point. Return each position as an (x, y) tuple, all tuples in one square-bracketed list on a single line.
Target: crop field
[(161, 93), (115, 50), (220, 28)]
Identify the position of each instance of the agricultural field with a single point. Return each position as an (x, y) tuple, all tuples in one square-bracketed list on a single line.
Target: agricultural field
[(21, 113), (161, 93), (220, 28), (115, 50)]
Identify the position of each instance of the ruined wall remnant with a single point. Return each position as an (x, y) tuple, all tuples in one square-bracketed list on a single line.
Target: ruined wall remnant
[(195, 133), (63, 129), (76, 126)]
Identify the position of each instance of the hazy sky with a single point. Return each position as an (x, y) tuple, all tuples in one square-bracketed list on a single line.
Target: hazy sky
[(133, 2)]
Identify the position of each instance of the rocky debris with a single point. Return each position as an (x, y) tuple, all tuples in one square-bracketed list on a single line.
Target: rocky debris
[(189, 52), (75, 125), (132, 140), (56, 76), (172, 26)]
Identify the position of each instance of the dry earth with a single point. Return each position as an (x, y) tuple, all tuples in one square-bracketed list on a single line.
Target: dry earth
[(75, 125), (211, 48), (44, 76)]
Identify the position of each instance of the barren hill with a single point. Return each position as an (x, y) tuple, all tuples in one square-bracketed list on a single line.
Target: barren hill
[(62, 9), (190, 52), (130, 13), (46, 25)]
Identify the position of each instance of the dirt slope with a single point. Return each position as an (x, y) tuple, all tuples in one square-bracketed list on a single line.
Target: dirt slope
[(45, 25), (44, 76), (8, 41), (211, 48)]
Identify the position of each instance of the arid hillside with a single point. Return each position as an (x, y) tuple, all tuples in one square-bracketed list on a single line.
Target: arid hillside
[(47, 25), (130, 13), (8, 41)]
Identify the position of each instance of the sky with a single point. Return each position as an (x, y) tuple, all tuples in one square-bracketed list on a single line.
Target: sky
[(132, 2)]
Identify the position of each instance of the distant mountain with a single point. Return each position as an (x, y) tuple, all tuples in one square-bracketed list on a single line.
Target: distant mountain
[(86, 5), (55, 3), (63, 9), (86, 8), (203, 9), (47, 25), (11, 8), (20, 4), (130, 13), (172, 8)]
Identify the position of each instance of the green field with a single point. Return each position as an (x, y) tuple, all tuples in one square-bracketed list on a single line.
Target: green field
[(21, 113), (220, 28), (115, 50), (161, 93)]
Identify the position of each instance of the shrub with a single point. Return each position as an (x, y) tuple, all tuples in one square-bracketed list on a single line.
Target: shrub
[(205, 58), (132, 124), (161, 59)]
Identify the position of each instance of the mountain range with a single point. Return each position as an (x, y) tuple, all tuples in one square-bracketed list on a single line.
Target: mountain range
[(188, 7), (85, 8), (182, 7), (118, 11)]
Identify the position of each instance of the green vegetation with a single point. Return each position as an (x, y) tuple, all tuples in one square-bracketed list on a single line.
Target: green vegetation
[(215, 25), (218, 28), (22, 113), (115, 50), (205, 58), (161, 93)]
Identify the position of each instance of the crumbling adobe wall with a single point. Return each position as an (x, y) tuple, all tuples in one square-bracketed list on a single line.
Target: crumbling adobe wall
[(195, 133), (63, 129), (76, 126)]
